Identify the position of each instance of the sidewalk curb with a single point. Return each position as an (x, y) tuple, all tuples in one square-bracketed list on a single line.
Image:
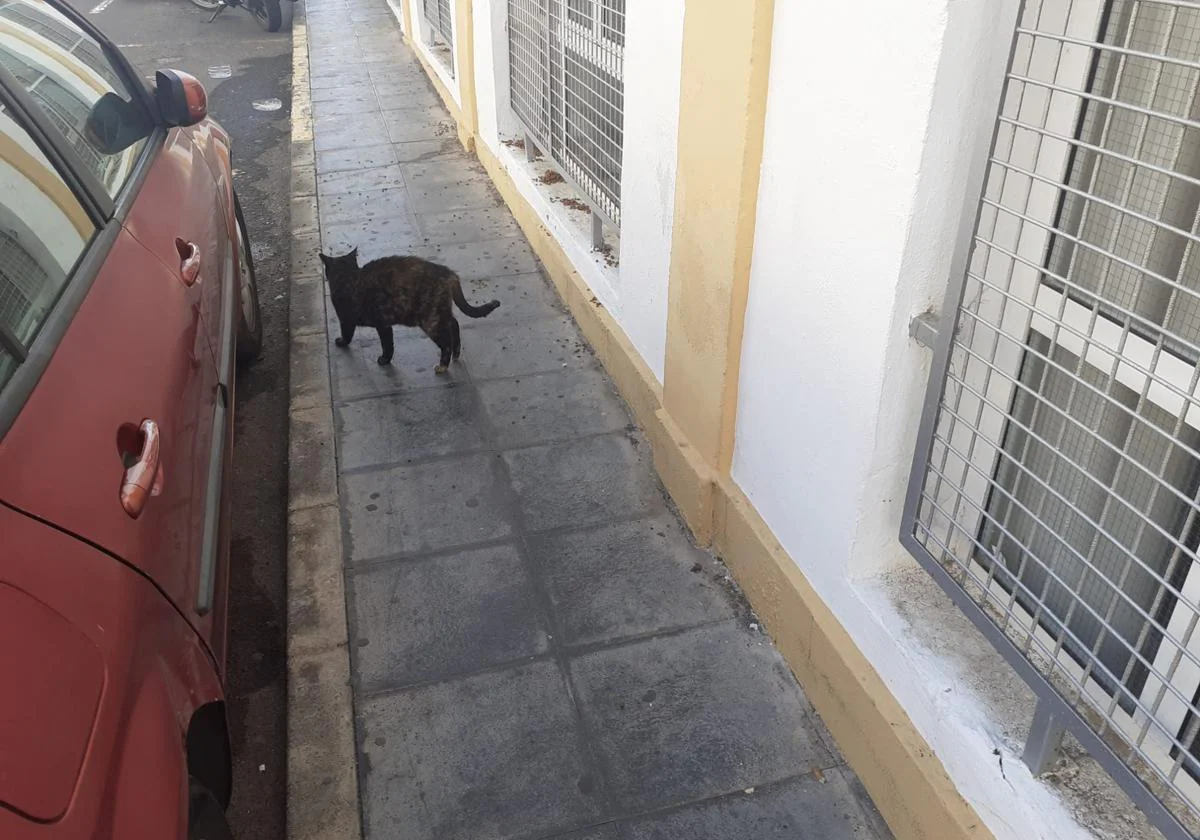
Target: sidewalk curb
[(322, 774)]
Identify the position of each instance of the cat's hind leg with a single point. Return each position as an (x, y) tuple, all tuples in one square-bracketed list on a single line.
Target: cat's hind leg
[(456, 350), (389, 347), (441, 330), (347, 334), (443, 336)]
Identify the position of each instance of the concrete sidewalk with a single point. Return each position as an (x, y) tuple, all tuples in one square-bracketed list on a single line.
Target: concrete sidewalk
[(536, 648)]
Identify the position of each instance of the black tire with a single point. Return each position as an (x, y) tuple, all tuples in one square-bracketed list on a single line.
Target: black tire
[(287, 12), (268, 14), (206, 817), (250, 325)]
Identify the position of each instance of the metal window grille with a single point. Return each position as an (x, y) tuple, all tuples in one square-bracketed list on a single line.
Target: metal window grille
[(566, 62), (23, 287), (1056, 484), (30, 17), (438, 16), (65, 108)]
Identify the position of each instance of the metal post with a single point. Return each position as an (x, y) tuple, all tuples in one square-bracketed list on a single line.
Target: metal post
[(597, 231), (1045, 737)]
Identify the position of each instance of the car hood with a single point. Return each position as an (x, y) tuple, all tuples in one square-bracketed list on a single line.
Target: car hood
[(53, 680)]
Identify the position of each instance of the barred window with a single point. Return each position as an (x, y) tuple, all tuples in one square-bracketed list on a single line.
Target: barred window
[(1057, 478), (566, 62), (440, 19)]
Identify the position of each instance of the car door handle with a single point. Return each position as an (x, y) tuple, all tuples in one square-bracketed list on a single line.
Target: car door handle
[(189, 261), (143, 478)]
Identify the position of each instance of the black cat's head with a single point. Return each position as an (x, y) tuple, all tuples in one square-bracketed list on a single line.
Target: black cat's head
[(340, 268)]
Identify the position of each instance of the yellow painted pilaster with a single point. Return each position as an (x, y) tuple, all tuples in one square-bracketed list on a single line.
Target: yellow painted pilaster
[(464, 52), (723, 103), (406, 20)]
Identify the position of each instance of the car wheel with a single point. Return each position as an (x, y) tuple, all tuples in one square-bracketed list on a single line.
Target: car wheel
[(269, 15), (206, 818), (250, 326), (287, 12)]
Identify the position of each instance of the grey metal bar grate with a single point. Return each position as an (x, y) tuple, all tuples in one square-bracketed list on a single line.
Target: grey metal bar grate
[(440, 17), (1056, 482), (566, 61)]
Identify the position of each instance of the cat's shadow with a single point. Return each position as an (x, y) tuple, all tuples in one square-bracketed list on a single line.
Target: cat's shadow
[(357, 372)]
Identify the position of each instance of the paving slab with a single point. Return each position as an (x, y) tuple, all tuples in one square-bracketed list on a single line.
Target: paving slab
[(363, 103), (378, 236), (408, 510), (497, 349), (419, 150), (492, 756), (442, 172), (356, 157), (358, 181), (472, 225), (344, 93), (628, 579), (443, 198), (807, 808), (525, 297), (410, 427), (406, 125), (550, 407), (695, 715), (425, 620), (364, 206), (584, 482)]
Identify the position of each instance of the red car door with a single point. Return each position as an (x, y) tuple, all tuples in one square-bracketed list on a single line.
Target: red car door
[(113, 439), (181, 211), (181, 215), (134, 354)]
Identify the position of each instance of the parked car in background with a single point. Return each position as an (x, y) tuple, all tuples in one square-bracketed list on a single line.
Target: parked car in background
[(127, 293)]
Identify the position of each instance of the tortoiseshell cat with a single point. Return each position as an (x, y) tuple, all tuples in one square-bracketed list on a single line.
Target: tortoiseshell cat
[(399, 291)]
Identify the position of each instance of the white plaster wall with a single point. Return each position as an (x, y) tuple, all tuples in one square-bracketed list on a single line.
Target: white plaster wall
[(635, 291), (869, 142), (491, 72), (653, 58)]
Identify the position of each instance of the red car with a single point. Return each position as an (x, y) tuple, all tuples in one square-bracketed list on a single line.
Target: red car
[(127, 294)]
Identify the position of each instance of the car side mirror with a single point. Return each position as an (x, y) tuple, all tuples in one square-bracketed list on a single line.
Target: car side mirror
[(114, 124), (182, 100)]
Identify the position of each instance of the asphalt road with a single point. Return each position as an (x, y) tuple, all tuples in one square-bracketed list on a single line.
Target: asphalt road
[(242, 65)]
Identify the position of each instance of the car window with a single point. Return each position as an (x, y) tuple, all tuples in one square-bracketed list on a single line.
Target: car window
[(68, 76), (43, 232)]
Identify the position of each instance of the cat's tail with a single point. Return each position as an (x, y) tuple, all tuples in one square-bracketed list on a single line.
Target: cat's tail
[(461, 302)]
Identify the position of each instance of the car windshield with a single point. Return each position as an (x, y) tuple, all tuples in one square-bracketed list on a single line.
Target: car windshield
[(70, 79)]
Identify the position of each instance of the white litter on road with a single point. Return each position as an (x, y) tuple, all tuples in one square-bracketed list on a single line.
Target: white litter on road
[(267, 104), (221, 71), (100, 8)]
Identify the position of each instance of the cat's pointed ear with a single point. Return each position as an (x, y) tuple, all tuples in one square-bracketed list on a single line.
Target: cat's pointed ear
[(324, 259)]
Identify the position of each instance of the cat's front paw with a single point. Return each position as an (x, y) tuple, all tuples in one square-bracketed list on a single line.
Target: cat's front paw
[(384, 360), (341, 342), (441, 369)]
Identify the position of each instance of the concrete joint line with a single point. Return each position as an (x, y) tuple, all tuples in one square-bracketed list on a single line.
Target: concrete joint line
[(322, 793)]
